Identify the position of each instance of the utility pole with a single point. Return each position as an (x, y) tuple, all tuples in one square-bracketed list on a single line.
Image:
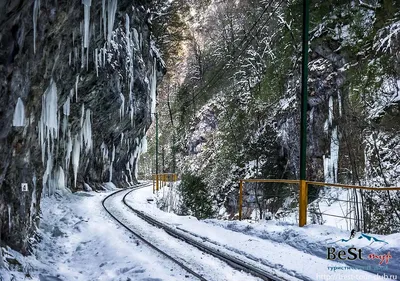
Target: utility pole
[(156, 151), (173, 133), (173, 153), (303, 196)]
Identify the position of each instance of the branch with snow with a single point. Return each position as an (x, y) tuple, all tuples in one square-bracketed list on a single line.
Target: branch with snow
[(368, 6), (387, 38)]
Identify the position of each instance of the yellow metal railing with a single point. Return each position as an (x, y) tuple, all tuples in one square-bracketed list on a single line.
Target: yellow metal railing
[(160, 180), (303, 192)]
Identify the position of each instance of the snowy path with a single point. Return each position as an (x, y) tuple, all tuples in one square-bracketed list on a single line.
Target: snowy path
[(81, 242), (282, 257), (211, 268)]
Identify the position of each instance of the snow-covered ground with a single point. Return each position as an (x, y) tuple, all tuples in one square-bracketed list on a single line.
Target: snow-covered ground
[(299, 252), (81, 242)]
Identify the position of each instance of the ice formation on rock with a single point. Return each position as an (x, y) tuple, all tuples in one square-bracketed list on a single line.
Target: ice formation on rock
[(87, 131), (19, 114), (75, 157)]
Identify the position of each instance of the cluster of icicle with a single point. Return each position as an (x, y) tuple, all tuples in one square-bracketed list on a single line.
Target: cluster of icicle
[(54, 128), (331, 161)]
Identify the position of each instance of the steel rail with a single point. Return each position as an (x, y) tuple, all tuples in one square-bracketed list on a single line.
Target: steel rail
[(232, 261), (197, 275)]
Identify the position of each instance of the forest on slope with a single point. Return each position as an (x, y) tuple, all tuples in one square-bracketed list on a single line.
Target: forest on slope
[(229, 105)]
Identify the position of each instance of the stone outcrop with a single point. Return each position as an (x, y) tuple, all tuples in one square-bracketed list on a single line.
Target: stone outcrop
[(84, 76)]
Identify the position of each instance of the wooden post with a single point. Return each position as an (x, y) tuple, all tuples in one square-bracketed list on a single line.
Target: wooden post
[(240, 199), (157, 187)]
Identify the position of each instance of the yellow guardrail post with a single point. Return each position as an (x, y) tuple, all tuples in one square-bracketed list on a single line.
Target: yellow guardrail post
[(303, 194), (154, 184), (157, 182), (240, 199)]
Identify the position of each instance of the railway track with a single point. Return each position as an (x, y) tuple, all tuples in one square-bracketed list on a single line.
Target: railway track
[(190, 271), (230, 260)]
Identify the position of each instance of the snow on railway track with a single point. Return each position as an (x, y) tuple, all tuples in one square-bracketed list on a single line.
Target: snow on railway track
[(190, 256)]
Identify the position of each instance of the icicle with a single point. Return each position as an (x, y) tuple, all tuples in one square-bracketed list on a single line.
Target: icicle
[(112, 8), (136, 38), (66, 107), (112, 162), (81, 123), (87, 131), (51, 106), (132, 115), (19, 114), (330, 118), (104, 19), (41, 136), (127, 24), (65, 125), (36, 9), (340, 103), (132, 159), (326, 126), (104, 151), (75, 157), (113, 154), (87, 57), (48, 119), (76, 88), (129, 170), (334, 154), (60, 178), (104, 57), (122, 138), (82, 56), (33, 202), (82, 45), (122, 108), (9, 218), (137, 164), (69, 58), (144, 144), (100, 25), (68, 151), (97, 63)]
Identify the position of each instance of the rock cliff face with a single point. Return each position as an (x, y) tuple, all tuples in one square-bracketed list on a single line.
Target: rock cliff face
[(77, 89)]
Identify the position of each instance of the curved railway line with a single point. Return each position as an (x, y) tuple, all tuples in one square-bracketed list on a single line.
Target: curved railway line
[(230, 260)]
